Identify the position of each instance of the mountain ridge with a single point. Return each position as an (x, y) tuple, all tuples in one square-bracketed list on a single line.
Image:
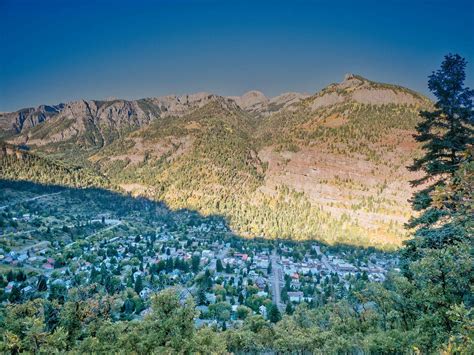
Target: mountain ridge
[(252, 101), (329, 166)]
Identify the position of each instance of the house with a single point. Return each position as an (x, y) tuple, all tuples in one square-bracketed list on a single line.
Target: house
[(295, 296), (260, 282), (295, 284), (9, 287), (48, 266), (199, 323), (136, 274), (27, 289), (211, 298), (345, 267), (263, 311), (262, 264), (22, 257), (252, 274), (243, 257), (202, 309), (295, 276), (207, 254)]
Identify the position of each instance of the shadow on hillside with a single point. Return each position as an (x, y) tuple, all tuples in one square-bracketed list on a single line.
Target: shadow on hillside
[(121, 206)]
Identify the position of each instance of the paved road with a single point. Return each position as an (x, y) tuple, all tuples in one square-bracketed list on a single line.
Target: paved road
[(277, 277), (28, 200), (43, 243), (220, 255), (113, 224), (19, 233), (325, 260)]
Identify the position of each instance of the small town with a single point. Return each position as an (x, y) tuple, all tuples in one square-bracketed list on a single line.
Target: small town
[(229, 278)]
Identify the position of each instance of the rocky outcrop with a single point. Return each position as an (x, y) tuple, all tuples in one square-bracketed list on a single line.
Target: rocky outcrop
[(256, 102), (15, 122), (251, 101), (92, 122), (111, 112), (173, 105), (287, 99), (11, 150), (98, 123)]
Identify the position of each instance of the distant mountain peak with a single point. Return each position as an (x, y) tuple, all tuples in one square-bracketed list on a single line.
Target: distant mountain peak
[(255, 94), (356, 88), (253, 98), (352, 76), (352, 80)]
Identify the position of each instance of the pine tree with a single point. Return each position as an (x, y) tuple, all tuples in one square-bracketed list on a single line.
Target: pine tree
[(195, 261), (274, 314), (446, 133), (138, 284), (42, 283), (219, 267), (15, 294)]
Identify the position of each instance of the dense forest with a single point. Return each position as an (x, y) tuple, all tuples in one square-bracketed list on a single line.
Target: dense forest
[(19, 164)]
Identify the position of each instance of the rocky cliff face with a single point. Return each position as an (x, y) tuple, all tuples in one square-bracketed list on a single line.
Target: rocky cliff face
[(15, 122), (114, 114), (257, 103), (11, 150), (180, 105), (101, 121)]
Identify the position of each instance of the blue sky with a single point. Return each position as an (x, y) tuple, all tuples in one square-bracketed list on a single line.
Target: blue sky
[(55, 51)]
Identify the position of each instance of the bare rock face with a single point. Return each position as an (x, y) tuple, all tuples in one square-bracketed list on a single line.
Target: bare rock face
[(252, 100), (98, 123), (111, 113), (327, 99), (351, 80), (173, 105), (287, 99), (355, 88), (79, 108), (256, 102), (384, 96), (78, 117), (15, 122)]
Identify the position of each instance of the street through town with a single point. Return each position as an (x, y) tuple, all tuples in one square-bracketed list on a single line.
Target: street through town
[(277, 278)]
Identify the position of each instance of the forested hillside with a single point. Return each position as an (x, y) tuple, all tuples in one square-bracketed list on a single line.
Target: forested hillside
[(328, 167), (19, 164)]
